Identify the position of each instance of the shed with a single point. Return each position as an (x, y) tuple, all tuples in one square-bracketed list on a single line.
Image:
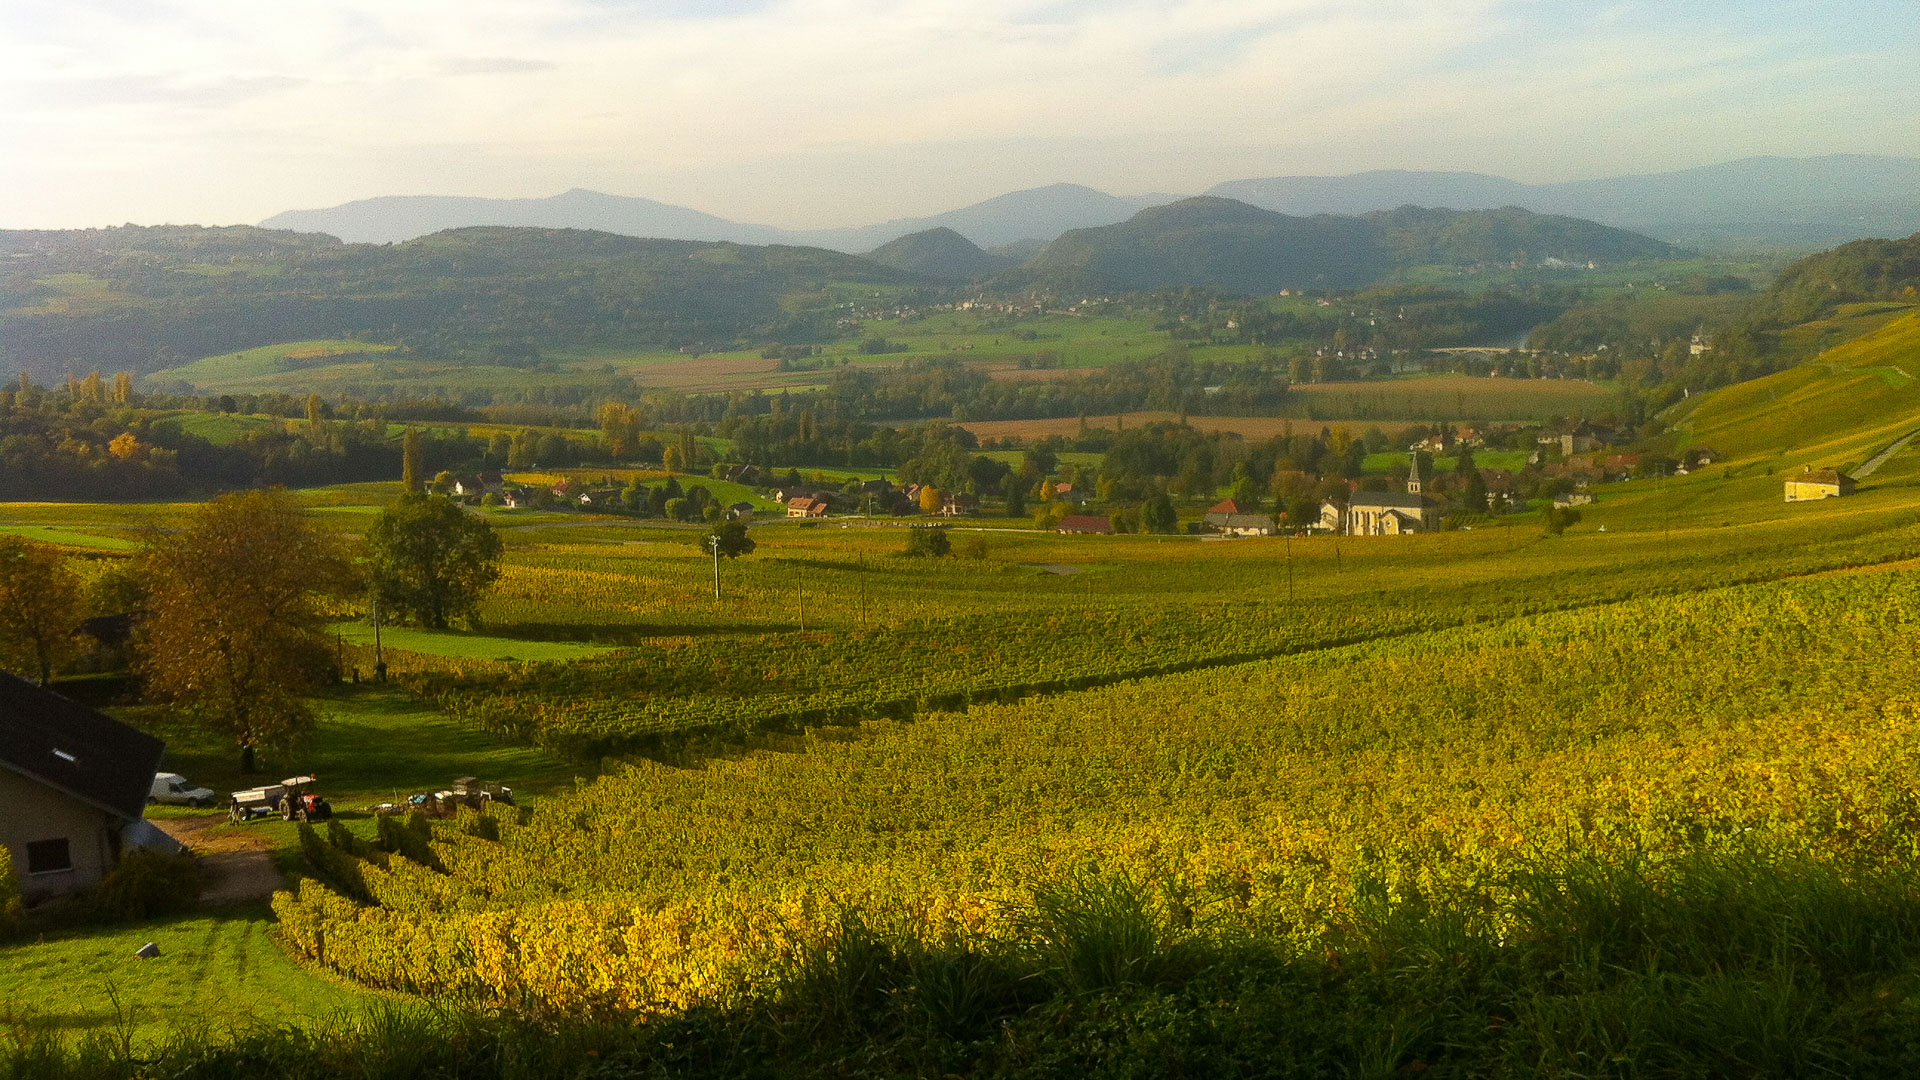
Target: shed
[(1810, 484)]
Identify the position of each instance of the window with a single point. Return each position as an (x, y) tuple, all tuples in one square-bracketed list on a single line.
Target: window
[(48, 856)]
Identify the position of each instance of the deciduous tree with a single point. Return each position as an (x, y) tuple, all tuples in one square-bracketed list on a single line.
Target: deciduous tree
[(235, 630), (431, 561), (39, 608)]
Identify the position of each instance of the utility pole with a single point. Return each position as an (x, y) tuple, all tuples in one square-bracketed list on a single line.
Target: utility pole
[(1289, 568), (713, 542), (379, 657)]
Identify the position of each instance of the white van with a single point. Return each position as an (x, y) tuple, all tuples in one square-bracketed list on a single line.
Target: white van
[(173, 788)]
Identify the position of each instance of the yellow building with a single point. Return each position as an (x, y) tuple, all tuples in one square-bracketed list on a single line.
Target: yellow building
[(1810, 484)]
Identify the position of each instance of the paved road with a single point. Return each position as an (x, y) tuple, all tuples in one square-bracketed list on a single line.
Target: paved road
[(1880, 458)]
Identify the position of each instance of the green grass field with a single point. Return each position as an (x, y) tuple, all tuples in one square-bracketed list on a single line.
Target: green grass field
[(275, 367), (370, 744), (214, 972), (71, 538), (466, 646)]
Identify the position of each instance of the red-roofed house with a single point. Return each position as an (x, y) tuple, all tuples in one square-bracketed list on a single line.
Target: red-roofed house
[(1085, 523)]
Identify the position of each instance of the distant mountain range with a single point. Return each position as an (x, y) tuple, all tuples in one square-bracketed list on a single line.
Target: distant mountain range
[(1762, 201), (1036, 214), (1224, 244), (1800, 202)]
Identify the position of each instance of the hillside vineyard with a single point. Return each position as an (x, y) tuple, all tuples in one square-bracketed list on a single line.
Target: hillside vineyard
[(1256, 797)]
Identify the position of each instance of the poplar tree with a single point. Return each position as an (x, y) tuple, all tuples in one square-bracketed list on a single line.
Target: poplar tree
[(412, 467)]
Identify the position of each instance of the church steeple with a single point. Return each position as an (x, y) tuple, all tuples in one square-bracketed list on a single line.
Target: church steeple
[(1416, 475)]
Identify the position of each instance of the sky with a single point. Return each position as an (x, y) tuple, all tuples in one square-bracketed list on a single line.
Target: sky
[(812, 113)]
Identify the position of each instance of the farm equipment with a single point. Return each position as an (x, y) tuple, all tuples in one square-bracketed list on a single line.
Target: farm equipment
[(467, 791), (293, 799), (477, 793)]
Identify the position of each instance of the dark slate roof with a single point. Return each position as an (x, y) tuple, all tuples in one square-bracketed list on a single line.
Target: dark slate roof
[(1398, 500), (72, 748), (1246, 521)]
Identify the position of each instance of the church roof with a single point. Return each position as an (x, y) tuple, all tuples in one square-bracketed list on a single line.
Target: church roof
[(1394, 500)]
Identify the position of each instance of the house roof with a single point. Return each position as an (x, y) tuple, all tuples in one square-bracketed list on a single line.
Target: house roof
[(1819, 476), (1227, 506), (1091, 523), (1397, 500), (1247, 521), (72, 748)]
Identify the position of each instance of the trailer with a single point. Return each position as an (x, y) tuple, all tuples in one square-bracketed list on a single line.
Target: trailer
[(477, 793), (292, 799)]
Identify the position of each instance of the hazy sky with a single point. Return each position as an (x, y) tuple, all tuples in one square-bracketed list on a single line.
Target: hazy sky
[(836, 112)]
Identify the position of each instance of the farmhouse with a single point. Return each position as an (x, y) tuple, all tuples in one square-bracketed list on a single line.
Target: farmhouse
[(1810, 484), (1228, 506), (1085, 523), (804, 507), (73, 789), (1242, 524)]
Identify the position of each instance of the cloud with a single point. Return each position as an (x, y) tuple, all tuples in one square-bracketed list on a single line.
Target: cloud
[(762, 107), (495, 65)]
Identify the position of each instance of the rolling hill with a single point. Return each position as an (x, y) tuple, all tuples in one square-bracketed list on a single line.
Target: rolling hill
[(1235, 247), (1835, 410), (939, 253), (142, 300)]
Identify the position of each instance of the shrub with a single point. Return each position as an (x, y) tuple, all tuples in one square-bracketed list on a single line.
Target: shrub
[(145, 885), (928, 541), (10, 903), (1559, 517)]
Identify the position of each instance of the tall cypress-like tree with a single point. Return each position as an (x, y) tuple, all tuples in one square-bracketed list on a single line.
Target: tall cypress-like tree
[(413, 469)]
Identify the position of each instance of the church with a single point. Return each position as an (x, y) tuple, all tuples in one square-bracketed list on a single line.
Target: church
[(1385, 513)]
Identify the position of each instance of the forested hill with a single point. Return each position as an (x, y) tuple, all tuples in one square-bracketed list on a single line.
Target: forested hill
[(1228, 245), (141, 299), (1865, 270)]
